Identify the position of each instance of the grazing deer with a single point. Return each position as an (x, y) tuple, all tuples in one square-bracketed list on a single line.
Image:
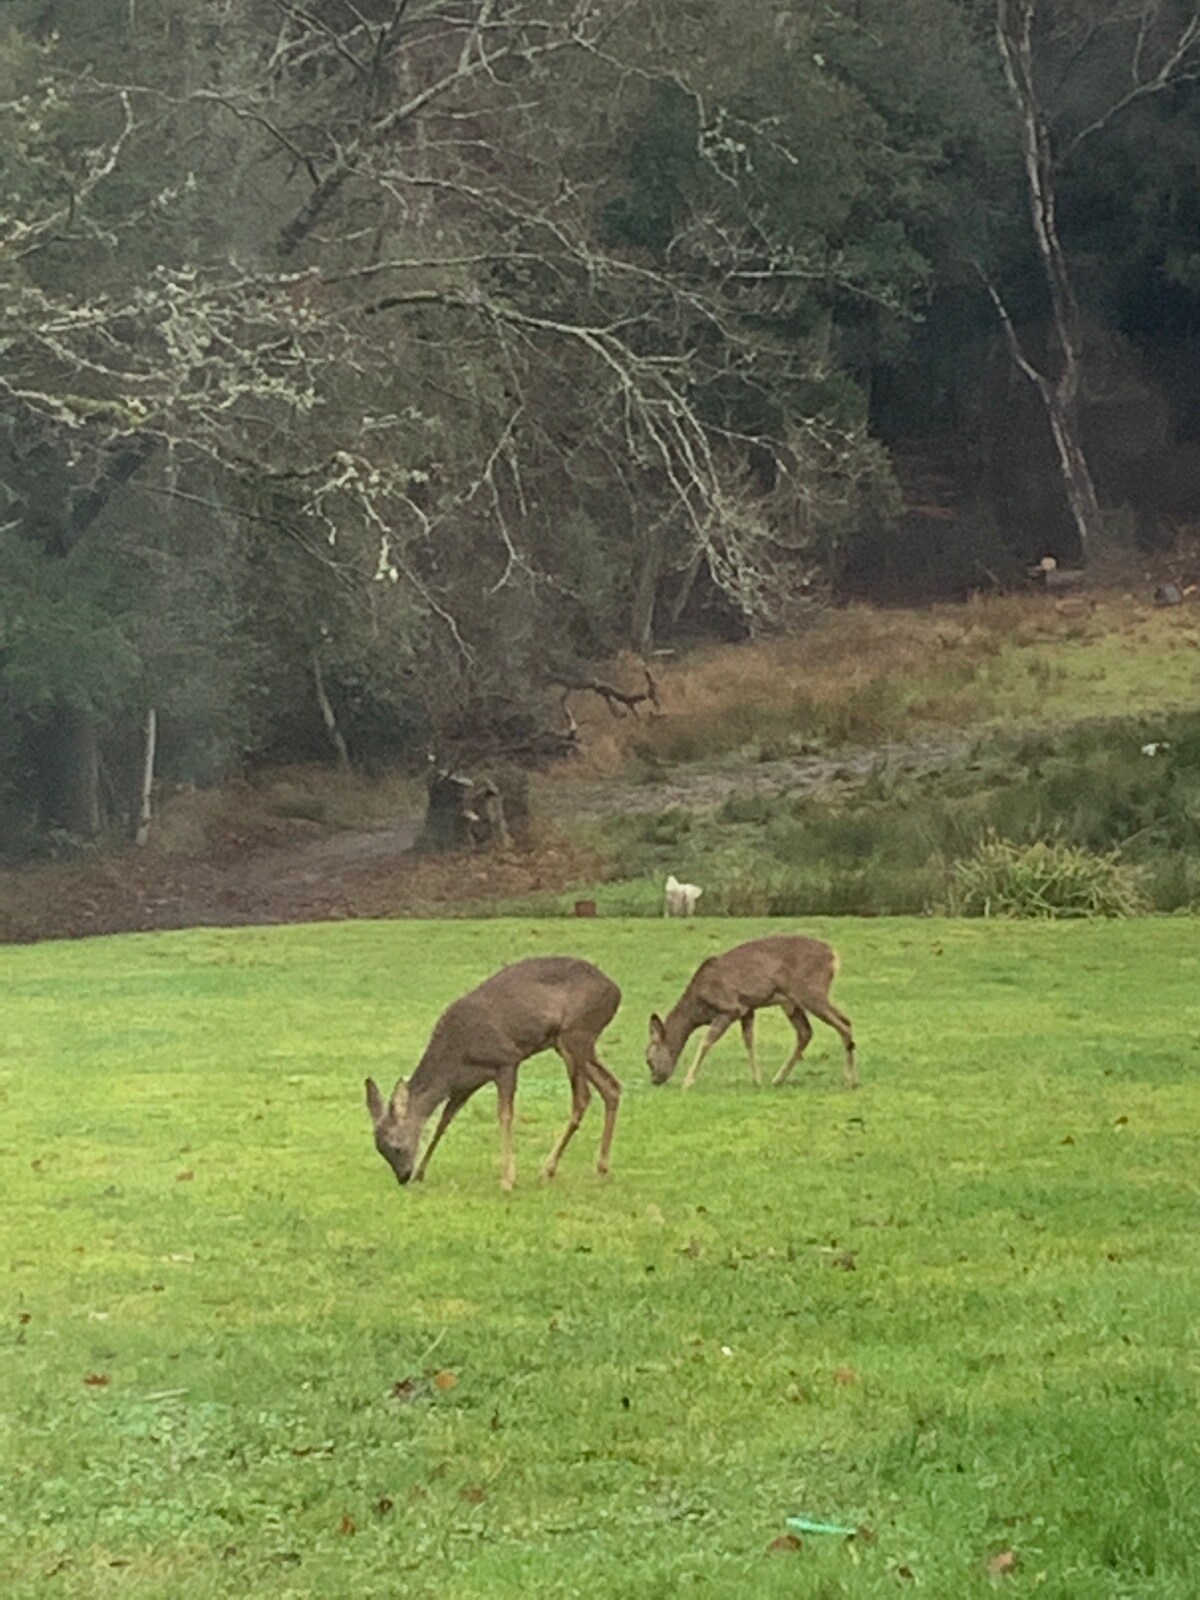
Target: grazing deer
[(782, 970), (545, 1003)]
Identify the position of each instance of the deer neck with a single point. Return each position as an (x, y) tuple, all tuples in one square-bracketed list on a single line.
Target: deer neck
[(679, 1025), (426, 1090)]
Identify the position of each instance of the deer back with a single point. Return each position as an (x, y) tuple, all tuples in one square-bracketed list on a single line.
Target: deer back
[(517, 1012), (763, 972)]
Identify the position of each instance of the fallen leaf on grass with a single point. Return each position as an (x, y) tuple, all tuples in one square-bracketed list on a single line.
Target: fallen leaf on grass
[(1120, 1122), (383, 1505), (97, 1380), (905, 1572), (405, 1390), (325, 1449), (787, 1544), (845, 1376), (445, 1381), (1000, 1566), (184, 1177), (1068, 1140), (347, 1525), (473, 1494)]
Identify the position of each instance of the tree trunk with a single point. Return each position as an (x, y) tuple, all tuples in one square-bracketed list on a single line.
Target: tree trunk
[(1066, 424), (1014, 34), (145, 812), (686, 585), (645, 594), (327, 716), (72, 792)]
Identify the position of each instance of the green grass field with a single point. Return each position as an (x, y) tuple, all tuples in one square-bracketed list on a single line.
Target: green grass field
[(960, 1308)]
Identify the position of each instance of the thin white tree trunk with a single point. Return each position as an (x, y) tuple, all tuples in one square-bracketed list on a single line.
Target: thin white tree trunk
[(327, 714), (1014, 34), (146, 807)]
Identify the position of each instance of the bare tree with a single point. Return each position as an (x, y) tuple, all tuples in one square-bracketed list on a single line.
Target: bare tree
[(343, 268), (1159, 44)]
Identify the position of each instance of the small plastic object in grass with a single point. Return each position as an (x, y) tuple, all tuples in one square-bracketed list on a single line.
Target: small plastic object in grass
[(807, 1525)]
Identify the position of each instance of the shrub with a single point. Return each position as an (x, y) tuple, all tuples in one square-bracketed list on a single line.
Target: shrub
[(1046, 879)]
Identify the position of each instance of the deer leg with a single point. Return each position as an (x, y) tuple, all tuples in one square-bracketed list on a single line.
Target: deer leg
[(804, 1034), (840, 1023), (506, 1093), (449, 1111), (748, 1041), (608, 1086), (718, 1028), (580, 1095)]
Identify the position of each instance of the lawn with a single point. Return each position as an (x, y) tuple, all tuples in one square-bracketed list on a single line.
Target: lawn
[(959, 1309)]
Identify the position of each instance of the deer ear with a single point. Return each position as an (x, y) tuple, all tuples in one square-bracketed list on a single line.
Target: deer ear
[(657, 1031), (398, 1103), (374, 1100)]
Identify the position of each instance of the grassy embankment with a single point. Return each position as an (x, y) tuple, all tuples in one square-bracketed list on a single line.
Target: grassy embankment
[(1053, 715), (959, 1308)]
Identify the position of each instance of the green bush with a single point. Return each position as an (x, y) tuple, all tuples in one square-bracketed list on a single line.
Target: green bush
[(1046, 879)]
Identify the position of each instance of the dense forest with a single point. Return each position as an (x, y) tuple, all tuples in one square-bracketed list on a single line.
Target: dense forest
[(372, 367)]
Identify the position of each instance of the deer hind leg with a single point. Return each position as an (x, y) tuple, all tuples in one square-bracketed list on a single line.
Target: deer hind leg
[(449, 1111), (580, 1095), (841, 1024), (720, 1027), (608, 1086), (506, 1093), (804, 1034), (748, 1041)]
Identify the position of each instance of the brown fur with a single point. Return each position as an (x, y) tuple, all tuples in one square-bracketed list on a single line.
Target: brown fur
[(782, 970), (544, 1003)]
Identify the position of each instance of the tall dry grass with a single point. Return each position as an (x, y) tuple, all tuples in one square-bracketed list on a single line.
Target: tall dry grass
[(863, 675)]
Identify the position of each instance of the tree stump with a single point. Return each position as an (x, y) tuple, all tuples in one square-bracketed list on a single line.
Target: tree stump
[(447, 824), (462, 813)]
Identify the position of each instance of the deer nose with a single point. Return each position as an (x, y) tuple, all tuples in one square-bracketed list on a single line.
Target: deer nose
[(403, 1177)]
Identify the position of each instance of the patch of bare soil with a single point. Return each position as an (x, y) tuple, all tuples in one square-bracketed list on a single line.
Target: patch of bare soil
[(294, 872), (291, 870)]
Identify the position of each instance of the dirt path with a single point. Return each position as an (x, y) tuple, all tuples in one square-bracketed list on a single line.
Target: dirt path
[(295, 872)]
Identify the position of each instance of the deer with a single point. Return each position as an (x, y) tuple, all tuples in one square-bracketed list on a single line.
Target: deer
[(544, 1003), (782, 970)]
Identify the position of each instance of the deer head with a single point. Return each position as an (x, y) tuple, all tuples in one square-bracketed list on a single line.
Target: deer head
[(396, 1134), (658, 1052)]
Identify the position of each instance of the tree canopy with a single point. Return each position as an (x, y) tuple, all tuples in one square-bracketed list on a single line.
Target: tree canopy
[(366, 366)]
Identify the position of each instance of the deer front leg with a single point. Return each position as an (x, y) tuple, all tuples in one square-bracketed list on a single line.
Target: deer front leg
[(748, 1041), (449, 1111), (506, 1093), (715, 1032)]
